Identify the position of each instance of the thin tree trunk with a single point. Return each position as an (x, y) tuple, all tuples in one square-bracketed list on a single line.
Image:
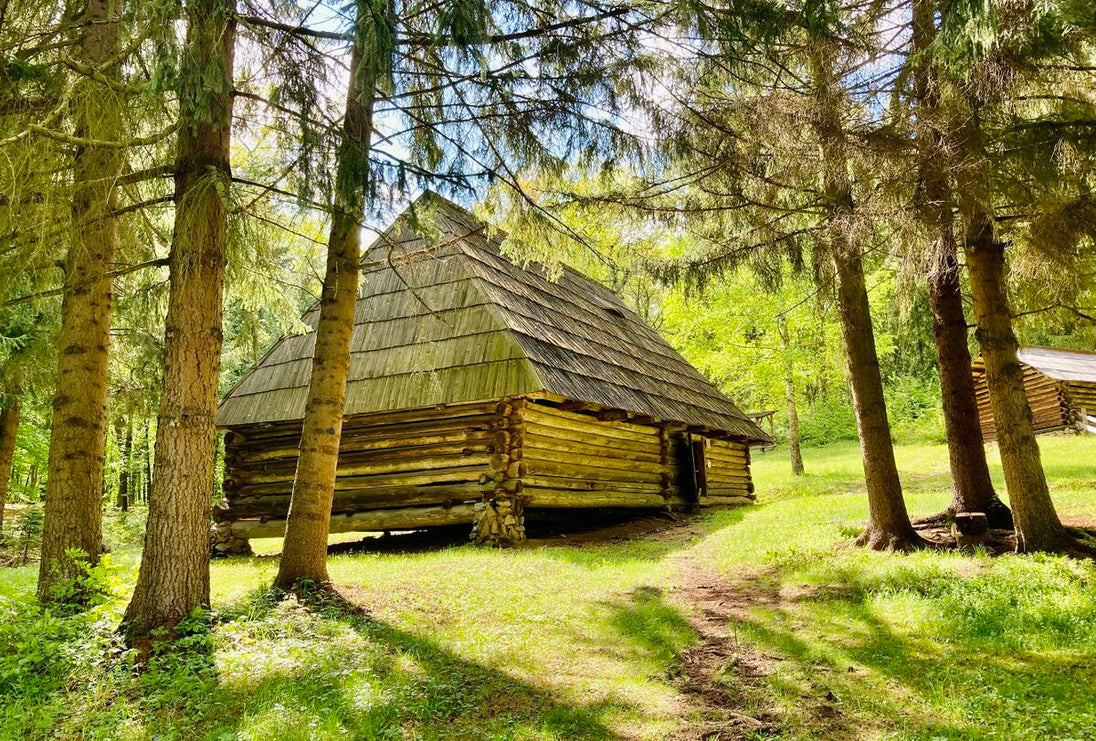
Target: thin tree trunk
[(789, 398), (77, 453), (972, 488), (304, 554), (889, 524), (146, 456), (124, 471), (174, 576), (9, 427)]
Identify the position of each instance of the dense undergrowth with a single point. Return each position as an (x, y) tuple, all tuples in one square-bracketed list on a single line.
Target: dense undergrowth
[(584, 642)]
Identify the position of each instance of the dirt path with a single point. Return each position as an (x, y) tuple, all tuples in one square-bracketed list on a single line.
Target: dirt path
[(722, 677)]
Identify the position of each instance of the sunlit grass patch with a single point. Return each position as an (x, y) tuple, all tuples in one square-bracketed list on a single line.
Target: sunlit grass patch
[(585, 641)]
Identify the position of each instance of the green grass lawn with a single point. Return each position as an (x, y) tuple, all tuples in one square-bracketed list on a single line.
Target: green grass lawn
[(585, 641)]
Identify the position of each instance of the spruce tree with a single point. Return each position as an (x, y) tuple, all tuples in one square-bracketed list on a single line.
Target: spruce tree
[(173, 580)]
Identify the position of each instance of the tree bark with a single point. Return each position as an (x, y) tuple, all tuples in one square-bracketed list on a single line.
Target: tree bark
[(789, 398), (174, 576), (9, 427), (77, 453), (972, 488), (1037, 525), (889, 524), (304, 553)]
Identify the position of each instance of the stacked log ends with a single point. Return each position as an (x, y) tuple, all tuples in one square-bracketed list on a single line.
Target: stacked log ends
[(499, 521)]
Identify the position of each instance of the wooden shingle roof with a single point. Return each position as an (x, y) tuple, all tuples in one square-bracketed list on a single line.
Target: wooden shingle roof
[(1061, 364), (444, 317)]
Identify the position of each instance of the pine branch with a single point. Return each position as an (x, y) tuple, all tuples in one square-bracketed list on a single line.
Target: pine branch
[(157, 263), (427, 40)]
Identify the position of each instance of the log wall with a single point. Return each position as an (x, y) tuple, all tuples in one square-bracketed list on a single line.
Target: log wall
[(1081, 398), (484, 462), (1050, 405), (726, 473), (574, 459), (421, 464)]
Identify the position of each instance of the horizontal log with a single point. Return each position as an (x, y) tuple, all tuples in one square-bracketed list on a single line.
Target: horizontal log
[(460, 449), (618, 426), (589, 426), (411, 478), (592, 460), (406, 518), (377, 468), (592, 473), (350, 444), (723, 489), (718, 501), (360, 432), (561, 445), (527, 427), (562, 482), (728, 456), (728, 474), (353, 500), (562, 498), (728, 448)]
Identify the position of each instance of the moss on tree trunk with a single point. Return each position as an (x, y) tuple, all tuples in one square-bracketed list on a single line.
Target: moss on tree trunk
[(74, 483)]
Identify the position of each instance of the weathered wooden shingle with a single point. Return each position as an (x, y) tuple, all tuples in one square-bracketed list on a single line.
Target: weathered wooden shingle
[(444, 317)]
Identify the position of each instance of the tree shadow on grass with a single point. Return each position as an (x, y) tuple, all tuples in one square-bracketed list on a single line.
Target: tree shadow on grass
[(843, 660), (352, 676), (644, 544)]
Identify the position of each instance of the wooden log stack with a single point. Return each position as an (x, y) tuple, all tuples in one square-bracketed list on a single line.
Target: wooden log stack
[(574, 459)]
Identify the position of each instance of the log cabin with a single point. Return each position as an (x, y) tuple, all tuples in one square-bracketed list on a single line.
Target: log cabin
[(483, 392), (1060, 385)]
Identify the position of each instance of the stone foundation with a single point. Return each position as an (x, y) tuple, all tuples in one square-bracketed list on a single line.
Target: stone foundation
[(223, 542), (499, 521)]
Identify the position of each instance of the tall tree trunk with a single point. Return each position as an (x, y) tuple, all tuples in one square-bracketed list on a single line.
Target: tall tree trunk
[(77, 452), (889, 527), (174, 576), (889, 524), (1037, 525), (125, 470), (789, 398), (9, 426), (304, 554), (146, 459), (972, 488)]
